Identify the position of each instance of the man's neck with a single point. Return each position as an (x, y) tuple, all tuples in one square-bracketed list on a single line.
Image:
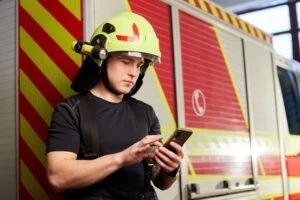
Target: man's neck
[(101, 91)]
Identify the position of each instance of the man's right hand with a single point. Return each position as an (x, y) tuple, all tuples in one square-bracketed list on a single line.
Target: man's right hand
[(140, 150)]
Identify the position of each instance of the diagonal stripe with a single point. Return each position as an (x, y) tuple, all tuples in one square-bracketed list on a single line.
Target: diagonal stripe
[(227, 17), (234, 21), (251, 28), (261, 166), (64, 16), (127, 5), (202, 5), (34, 96), (50, 46), (23, 193), (31, 184), (45, 87), (208, 7), (45, 64), (260, 34), (33, 140), (224, 16), (214, 10), (243, 25), (35, 166), (191, 167), (33, 117), (55, 30), (73, 7), (192, 2), (162, 94), (243, 112)]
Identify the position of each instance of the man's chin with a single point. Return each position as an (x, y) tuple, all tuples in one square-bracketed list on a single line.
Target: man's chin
[(125, 91)]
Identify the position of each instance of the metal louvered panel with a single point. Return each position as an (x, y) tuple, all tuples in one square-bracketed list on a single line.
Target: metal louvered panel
[(215, 107), (263, 115), (205, 70), (8, 169)]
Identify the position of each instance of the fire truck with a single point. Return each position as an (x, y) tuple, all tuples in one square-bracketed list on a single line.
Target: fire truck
[(219, 76)]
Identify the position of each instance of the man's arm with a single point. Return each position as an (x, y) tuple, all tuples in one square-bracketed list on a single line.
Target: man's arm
[(64, 171)]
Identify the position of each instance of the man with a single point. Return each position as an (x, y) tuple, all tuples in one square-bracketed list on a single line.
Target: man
[(125, 45)]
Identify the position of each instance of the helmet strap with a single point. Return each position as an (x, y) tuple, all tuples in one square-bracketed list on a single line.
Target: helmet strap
[(106, 81)]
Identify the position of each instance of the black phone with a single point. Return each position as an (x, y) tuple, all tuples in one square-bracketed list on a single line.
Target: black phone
[(180, 136)]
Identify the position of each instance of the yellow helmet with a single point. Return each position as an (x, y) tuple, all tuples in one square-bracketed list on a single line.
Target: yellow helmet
[(124, 34), (128, 33)]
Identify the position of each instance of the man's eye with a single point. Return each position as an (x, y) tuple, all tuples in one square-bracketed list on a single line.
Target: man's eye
[(126, 62)]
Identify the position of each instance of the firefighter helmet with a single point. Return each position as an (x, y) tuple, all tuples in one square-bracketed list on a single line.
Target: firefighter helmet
[(124, 34)]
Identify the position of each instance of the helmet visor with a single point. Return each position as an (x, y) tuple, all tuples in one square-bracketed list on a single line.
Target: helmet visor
[(149, 57)]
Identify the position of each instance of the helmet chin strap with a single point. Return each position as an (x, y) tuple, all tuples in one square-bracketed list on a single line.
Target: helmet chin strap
[(134, 89), (106, 81)]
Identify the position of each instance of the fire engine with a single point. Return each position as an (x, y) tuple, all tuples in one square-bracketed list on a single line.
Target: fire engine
[(219, 76)]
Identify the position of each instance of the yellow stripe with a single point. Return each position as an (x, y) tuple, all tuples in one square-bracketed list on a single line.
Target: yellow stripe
[(234, 20), (163, 97), (297, 191), (218, 132), (193, 141), (214, 10), (271, 196), (191, 168), (34, 96), (45, 64), (54, 29), (205, 142), (226, 177), (224, 16), (202, 5), (31, 184), (232, 79), (252, 31), (73, 6), (127, 5), (260, 34), (34, 142), (244, 25), (215, 177), (167, 128), (261, 166), (192, 2)]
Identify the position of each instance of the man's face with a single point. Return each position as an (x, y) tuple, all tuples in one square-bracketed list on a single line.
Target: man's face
[(123, 71)]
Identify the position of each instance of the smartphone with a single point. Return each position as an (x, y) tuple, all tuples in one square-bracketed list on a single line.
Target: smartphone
[(180, 136)]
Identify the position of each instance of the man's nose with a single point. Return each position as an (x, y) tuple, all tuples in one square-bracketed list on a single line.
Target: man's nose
[(133, 70)]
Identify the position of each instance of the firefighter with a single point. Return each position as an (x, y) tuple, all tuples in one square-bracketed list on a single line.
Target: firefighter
[(118, 158)]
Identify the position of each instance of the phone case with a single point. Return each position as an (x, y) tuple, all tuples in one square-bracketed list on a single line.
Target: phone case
[(180, 136)]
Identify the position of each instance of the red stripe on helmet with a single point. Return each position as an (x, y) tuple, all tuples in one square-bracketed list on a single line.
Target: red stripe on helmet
[(132, 38)]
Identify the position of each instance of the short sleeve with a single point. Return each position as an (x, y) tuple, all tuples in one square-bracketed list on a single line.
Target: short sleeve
[(154, 122), (64, 130)]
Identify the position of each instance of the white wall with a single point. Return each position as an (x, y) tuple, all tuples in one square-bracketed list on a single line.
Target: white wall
[(8, 159)]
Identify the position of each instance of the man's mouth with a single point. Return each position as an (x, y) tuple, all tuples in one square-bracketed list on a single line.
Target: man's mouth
[(128, 82)]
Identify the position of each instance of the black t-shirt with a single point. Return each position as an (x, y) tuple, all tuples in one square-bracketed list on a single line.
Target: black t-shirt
[(117, 129)]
